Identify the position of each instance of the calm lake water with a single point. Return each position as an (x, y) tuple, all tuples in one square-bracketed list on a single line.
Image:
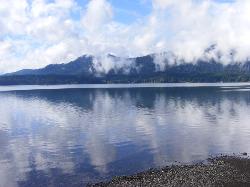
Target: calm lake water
[(72, 135)]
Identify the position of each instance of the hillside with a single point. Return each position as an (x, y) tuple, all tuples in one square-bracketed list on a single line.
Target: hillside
[(112, 69)]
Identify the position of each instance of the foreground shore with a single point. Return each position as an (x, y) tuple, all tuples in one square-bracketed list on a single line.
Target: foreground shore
[(218, 171)]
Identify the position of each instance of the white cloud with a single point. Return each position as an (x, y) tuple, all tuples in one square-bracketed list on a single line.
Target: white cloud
[(13, 16), (104, 63), (97, 14), (39, 32), (163, 4), (195, 26)]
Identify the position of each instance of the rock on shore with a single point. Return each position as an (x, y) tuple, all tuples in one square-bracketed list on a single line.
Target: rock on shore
[(219, 171)]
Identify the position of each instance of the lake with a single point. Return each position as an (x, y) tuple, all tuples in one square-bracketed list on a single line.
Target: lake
[(75, 134)]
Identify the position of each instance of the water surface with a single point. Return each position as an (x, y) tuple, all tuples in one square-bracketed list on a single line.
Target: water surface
[(72, 135)]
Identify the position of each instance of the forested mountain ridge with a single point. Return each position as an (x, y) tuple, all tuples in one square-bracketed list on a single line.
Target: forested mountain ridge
[(149, 68)]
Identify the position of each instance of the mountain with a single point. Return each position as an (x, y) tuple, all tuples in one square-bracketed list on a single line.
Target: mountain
[(79, 66), (164, 67)]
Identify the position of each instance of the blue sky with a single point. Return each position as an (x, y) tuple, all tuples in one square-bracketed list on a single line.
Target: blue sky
[(127, 11)]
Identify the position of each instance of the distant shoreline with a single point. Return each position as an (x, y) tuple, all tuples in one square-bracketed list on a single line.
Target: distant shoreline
[(218, 171), (225, 86)]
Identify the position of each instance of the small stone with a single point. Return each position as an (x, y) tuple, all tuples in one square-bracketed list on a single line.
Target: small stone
[(244, 154)]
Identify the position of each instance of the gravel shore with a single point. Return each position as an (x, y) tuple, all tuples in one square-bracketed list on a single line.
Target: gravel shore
[(218, 171)]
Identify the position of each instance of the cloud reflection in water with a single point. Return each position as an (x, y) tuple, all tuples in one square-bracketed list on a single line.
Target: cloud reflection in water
[(81, 135)]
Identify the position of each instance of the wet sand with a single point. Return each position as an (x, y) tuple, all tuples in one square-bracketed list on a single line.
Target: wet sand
[(217, 171)]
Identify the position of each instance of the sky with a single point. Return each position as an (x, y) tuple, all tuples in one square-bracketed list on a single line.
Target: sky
[(35, 33)]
